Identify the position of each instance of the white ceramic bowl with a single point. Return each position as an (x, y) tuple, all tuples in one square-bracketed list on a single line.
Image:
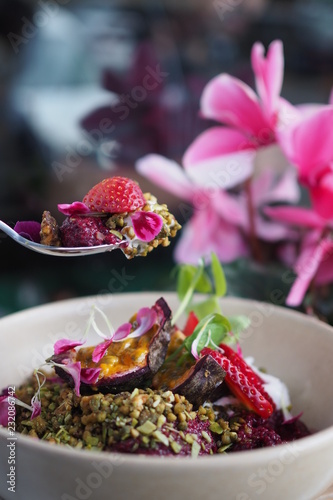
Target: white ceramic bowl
[(292, 346)]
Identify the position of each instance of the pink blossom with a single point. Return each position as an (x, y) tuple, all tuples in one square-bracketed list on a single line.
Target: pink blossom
[(220, 222), (75, 208), (64, 345), (251, 121), (308, 144), (74, 370), (315, 259), (145, 319), (90, 375), (146, 225), (4, 410), (29, 230)]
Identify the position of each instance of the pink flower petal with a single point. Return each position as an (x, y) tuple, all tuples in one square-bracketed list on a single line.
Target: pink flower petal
[(166, 174), (4, 410), (64, 345), (74, 370), (90, 375), (269, 75), (309, 143), (324, 274), (146, 319), (230, 101), (306, 268), (207, 232), (122, 332), (268, 188), (146, 225), (219, 158), (297, 216), (229, 207), (322, 195), (29, 230), (100, 350), (75, 208), (36, 408)]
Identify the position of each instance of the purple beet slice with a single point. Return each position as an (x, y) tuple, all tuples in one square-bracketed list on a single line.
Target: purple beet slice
[(127, 364)]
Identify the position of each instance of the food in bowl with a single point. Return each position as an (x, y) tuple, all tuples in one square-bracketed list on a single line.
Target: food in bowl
[(114, 212), (149, 389)]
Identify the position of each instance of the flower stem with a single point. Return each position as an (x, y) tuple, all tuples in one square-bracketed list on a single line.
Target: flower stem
[(253, 240)]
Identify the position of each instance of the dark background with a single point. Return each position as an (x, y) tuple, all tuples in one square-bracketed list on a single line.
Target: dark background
[(62, 64)]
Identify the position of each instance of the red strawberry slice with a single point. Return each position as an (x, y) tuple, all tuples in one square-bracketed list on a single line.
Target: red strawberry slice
[(240, 386), (115, 195), (242, 365), (191, 323)]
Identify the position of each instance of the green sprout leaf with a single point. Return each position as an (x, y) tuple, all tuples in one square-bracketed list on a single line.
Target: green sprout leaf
[(187, 287), (209, 332), (218, 276), (239, 324), (186, 276)]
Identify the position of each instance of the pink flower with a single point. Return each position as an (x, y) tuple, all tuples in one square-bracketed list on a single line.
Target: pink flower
[(75, 208), (64, 345), (308, 144), (220, 222), (145, 319), (315, 260), (146, 225), (251, 121), (90, 375)]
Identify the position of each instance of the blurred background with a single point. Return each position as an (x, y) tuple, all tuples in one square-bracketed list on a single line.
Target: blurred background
[(87, 87)]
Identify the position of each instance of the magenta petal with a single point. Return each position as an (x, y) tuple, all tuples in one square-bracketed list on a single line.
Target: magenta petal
[(4, 410), (146, 225), (36, 408), (100, 350), (75, 208), (90, 375), (297, 216), (122, 332), (64, 345), (74, 370), (145, 318), (29, 230), (321, 196)]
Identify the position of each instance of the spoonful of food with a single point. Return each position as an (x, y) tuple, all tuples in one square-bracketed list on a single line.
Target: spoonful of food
[(114, 214)]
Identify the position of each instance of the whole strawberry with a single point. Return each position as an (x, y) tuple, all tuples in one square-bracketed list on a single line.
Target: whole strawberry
[(115, 195)]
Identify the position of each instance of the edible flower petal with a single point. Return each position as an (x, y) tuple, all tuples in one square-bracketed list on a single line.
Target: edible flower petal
[(64, 345), (146, 225), (29, 230), (74, 370), (36, 407), (100, 350), (4, 410), (145, 318), (90, 375), (75, 208)]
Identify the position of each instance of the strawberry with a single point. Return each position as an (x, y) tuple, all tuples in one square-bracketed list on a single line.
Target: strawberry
[(242, 365), (240, 385), (115, 195), (191, 323)]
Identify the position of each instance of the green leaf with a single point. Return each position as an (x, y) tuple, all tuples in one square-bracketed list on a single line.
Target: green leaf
[(239, 323), (209, 332), (218, 276), (206, 307), (186, 276), (186, 287)]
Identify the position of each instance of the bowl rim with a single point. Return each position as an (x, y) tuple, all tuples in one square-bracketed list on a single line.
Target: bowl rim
[(305, 444)]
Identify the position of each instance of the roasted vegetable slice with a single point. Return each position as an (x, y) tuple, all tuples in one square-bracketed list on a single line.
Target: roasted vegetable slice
[(126, 364), (196, 380)]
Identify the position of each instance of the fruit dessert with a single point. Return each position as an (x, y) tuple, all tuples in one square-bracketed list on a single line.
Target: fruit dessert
[(115, 212), (150, 388)]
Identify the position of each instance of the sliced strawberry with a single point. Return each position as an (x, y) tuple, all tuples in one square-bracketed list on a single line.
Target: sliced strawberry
[(239, 384), (191, 323), (242, 365), (115, 195)]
